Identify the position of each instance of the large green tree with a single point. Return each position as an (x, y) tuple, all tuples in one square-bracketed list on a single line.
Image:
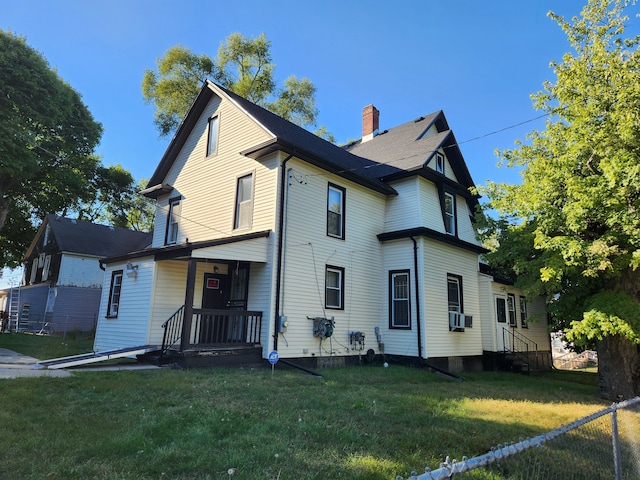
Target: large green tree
[(571, 229), (47, 140), (242, 65)]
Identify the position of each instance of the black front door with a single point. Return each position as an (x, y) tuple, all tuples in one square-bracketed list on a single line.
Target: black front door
[(215, 296)]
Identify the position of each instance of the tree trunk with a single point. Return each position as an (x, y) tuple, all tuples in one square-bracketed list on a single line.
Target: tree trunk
[(618, 368)]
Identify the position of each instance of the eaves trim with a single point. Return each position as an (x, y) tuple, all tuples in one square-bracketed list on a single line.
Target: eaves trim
[(434, 235)]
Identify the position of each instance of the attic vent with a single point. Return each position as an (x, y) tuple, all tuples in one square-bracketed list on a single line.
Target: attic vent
[(419, 119)]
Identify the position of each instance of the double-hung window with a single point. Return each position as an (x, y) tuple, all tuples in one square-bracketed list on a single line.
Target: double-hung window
[(454, 293), (523, 313), (334, 288), (399, 300), (244, 202), (173, 221), (449, 213), (511, 307), (114, 294), (335, 211), (212, 140)]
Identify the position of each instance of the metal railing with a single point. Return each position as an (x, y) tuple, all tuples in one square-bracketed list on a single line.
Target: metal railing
[(213, 328), (604, 445), (521, 347), (172, 329)]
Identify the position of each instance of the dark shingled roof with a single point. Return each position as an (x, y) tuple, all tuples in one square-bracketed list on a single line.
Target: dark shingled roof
[(408, 148), (393, 153), (77, 236), (287, 137)]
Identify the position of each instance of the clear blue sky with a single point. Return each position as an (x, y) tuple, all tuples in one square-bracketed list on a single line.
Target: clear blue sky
[(478, 61)]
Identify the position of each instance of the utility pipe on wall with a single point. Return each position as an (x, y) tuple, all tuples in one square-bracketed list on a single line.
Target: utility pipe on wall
[(417, 276), (281, 227)]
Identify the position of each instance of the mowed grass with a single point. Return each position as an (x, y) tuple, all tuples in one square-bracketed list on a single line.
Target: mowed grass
[(365, 422), (44, 347)]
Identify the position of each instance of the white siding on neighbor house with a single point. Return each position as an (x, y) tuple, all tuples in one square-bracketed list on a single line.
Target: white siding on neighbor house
[(80, 271), (537, 329), (440, 260), (207, 185), (309, 250), (129, 328)]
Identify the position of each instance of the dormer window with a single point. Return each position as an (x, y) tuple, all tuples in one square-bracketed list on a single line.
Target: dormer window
[(439, 163), (212, 141), (449, 213)]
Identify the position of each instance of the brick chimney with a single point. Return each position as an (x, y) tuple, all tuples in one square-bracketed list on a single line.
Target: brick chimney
[(370, 122)]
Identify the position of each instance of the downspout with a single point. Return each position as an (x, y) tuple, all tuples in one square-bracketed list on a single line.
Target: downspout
[(276, 319), (418, 319)]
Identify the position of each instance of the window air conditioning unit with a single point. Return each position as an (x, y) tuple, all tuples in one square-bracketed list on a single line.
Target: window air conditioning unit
[(456, 321)]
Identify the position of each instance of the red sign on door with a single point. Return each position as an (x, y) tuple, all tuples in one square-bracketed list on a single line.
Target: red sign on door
[(213, 283)]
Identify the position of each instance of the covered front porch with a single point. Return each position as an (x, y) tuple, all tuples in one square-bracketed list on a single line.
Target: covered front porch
[(220, 313)]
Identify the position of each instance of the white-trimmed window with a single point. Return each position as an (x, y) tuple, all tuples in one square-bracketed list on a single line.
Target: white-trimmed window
[(511, 310), (173, 221), (454, 293), (334, 288), (523, 312), (335, 211), (244, 202), (114, 294), (450, 213), (439, 158), (212, 139), (399, 299)]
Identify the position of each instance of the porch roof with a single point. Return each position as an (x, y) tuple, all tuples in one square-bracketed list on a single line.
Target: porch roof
[(251, 247)]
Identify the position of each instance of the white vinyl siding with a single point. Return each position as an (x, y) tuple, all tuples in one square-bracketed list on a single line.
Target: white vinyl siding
[(131, 327), (80, 271), (308, 251), (440, 262), (536, 329), (208, 209)]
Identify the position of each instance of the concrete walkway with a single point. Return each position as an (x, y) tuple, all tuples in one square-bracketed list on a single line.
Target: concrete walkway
[(16, 365)]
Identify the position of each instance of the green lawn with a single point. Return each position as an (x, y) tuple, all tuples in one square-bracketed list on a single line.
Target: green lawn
[(44, 347), (354, 423)]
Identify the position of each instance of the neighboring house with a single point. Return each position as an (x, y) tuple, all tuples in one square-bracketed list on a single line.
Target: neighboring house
[(62, 278), (268, 235)]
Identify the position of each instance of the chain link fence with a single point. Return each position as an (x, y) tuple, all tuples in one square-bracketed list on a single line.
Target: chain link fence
[(604, 445)]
